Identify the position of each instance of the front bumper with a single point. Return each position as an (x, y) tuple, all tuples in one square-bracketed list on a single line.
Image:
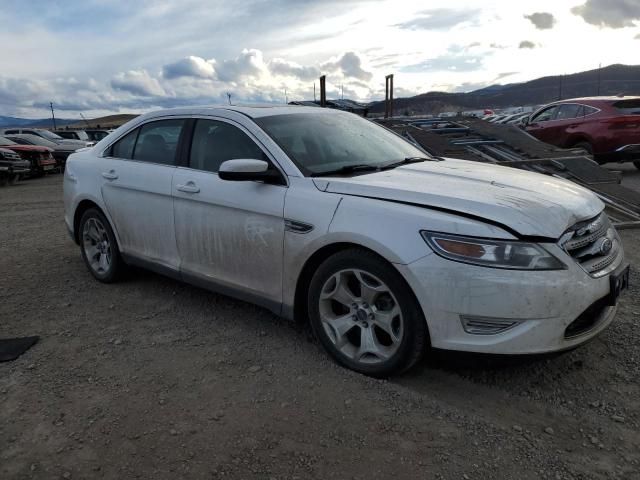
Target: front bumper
[(541, 304)]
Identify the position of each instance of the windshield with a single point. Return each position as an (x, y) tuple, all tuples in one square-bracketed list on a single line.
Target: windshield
[(328, 141), (6, 141), (49, 135)]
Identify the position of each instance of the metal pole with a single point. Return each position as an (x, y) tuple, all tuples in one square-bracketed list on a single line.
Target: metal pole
[(386, 96), (53, 115), (391, 97), (323, 91), (560, 89), (599, 72), (314, 91)]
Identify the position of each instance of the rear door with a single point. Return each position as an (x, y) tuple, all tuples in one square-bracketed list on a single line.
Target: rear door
[(136, 188), (230, 234)]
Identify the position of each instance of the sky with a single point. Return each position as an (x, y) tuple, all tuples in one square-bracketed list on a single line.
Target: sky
[(101, 57)]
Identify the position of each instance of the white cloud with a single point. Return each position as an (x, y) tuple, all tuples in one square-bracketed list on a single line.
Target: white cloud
[(609, 13), (190, 66), (137, 82), (542, 20)]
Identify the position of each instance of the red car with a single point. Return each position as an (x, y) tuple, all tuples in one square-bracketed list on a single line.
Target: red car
[(607, 127), (40, 158)]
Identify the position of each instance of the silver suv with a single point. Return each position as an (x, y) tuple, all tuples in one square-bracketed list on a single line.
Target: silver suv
[(322, 215)]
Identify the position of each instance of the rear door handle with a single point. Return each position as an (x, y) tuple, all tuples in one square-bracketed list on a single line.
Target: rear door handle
[(188, 187), (110, 175)]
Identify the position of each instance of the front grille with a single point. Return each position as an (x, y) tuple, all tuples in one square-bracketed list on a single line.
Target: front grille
[(587, 319), (593, 244)]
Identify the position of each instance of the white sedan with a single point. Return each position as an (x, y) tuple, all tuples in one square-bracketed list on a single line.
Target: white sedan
[(323, 216)]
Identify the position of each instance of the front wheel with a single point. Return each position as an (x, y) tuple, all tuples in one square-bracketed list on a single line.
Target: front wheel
[(637, 164), (99, 248), (365, 315)]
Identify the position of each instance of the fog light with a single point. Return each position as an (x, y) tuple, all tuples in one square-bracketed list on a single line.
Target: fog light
[(486, 325)]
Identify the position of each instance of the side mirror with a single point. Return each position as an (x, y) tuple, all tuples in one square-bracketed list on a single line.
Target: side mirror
[(246, 170)]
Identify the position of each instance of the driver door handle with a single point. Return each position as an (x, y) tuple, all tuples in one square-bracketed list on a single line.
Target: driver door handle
[(110, 175), (188, 187)]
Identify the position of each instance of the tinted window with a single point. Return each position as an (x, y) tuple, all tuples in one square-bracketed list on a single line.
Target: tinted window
[(123, 148), (215, 142), (545, 115), (569, 110), (628, 107), (589, 110), (158, 142), (11, 131)]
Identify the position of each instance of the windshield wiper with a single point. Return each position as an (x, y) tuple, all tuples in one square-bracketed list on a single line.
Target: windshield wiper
[(360, 167), (408, 160)]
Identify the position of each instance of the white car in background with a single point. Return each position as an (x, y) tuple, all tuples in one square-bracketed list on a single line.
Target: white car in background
[(322, 215)]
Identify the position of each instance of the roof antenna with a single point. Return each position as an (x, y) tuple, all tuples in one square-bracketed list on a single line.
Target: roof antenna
[(229, 97)]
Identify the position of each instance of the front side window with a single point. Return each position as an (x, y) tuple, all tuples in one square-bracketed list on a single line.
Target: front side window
[(157, 142), (215, 142), (545, 115)]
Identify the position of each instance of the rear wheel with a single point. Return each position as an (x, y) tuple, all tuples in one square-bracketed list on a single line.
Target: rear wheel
[(99, 248), (637, 164), (365, 315)]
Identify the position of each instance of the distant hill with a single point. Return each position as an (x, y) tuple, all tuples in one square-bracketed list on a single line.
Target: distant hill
[(614, 80), (110, 121), (28, 122)]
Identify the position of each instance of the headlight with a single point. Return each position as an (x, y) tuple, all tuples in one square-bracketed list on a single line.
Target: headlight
[(508, 254)]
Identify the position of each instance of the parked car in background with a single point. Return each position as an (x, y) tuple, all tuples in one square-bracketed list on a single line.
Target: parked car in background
[(60, 150), (40, 158), (74, 135), (11, 166), (47, 135), (96, 135), (606, 127), (322, 215)]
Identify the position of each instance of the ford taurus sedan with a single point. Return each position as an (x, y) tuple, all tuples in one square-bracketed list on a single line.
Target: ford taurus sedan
[(323, 216)]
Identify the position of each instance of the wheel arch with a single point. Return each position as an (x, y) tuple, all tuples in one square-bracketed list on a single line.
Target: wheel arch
[(312, 263), (82, 207)]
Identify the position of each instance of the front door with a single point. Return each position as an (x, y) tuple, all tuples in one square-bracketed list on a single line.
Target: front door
[(136, 187), (230, 234)]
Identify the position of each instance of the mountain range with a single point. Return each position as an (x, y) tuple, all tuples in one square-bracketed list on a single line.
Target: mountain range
[(611, 80)]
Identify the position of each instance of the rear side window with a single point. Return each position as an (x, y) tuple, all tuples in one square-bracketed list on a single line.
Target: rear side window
[(11, 132), (569, 110), (123, 148), (158, 142), (215, 142), (628, 107)]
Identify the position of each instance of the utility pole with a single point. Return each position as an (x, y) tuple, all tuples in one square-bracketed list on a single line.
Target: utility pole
[(560, 89), (388, 96), (342, 92), (599, 72), (323, 91), (53, 115), (286, 100), (314, 92), (229, 97)]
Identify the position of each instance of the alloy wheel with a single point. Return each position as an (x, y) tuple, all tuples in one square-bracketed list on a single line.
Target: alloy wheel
[(361, 316), (97, 246)]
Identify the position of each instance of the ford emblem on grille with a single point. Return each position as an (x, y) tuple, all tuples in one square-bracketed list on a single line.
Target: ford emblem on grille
[(605, 246)]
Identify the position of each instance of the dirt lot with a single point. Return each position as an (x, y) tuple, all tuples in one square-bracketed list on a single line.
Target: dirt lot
[(151, 378)]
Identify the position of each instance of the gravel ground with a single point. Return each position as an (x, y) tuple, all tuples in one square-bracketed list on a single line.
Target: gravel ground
[(150, 378)]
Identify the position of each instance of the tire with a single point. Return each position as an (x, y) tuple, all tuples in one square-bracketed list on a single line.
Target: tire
[(637, 164), (13, 178), (586, 146), (3, 180), (99, 248), (393, 326)]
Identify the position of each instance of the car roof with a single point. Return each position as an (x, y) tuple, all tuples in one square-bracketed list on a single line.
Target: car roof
[(252, 111), (597, 99)]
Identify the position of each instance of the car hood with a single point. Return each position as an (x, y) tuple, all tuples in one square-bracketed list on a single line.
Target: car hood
[(528, 203)]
